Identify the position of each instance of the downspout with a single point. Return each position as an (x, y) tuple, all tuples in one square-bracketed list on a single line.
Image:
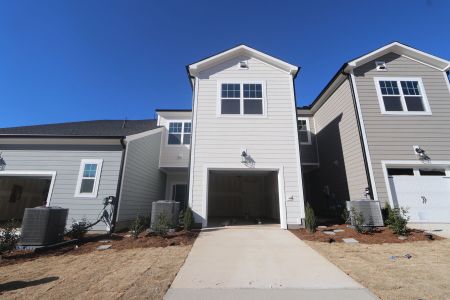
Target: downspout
[(119, 183), (366, 165)]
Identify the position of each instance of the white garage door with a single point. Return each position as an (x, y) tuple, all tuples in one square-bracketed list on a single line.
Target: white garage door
[(426, 193)]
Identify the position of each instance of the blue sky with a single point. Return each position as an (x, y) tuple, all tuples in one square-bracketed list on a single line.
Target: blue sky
[(79, 60)]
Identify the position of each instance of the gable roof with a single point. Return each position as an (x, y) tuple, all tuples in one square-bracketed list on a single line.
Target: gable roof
[(401, 49), (396, 47), (96, 128), (194, 68)]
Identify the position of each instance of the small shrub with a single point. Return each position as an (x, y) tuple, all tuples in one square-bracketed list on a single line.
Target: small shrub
[(345, 216), (357, 219), (162, 225), (397, 220), (386, 212), (78, 229), (188, 219), (8, 236), (139, 224), (310, 219)]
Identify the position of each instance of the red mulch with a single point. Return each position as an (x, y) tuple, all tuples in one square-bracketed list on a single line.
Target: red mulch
[(118, 241), (380, 235)]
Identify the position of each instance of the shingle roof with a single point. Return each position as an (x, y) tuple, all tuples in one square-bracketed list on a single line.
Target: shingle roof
[(96, 128)]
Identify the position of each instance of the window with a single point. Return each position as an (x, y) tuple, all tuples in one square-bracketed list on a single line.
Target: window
[(304, 134), (401, 96), (241, 99), (401, 171), (88, 178), (253, 99), (436, 172), (179, 133)]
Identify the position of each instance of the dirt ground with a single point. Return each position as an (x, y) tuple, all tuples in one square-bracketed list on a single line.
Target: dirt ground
[(378, 236), (139, 269), (426, 275)]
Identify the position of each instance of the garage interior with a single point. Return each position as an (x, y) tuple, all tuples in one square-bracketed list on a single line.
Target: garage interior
[(243, 198), (20, 192)]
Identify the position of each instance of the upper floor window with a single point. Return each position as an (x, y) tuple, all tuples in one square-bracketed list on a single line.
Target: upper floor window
[(402, 96), (179, 133), (88, 178), (304, 134), (241, 99)]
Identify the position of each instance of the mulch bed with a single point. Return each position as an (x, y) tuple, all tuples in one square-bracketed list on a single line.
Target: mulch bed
[(118, 241), (380, 235)]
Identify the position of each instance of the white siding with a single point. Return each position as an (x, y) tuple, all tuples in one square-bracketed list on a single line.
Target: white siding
[(270, 140), (173, 156)]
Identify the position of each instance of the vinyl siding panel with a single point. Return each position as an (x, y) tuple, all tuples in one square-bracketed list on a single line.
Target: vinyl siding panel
[(340, 150), (268, 140), (392, 137), (142, 181), (308, 152), (176, 156), (66, 163)]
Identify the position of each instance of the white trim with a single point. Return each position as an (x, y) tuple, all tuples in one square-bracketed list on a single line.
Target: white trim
[(308, 130), (98, 171), (297, 157), (238, 167), (364, 137), (193, 140), (405, 111), (143, 134), (34, 173), (385, 164), (197, 67), (446, 81), (420, 62), (183, 122), (241, 99), (400, 49)]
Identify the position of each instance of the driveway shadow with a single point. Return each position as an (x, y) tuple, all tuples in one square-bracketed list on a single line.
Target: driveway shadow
[(19, 284)]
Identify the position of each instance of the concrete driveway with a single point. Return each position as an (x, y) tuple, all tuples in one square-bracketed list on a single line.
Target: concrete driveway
[(441, 229), (254, 262)]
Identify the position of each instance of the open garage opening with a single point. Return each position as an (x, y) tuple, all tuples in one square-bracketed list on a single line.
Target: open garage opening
[(243, 198), (20, 192)]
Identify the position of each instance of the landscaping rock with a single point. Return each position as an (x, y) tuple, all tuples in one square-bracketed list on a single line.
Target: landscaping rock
[(350, 241), (338, 230), (103, 247), (329, 232), (402, 237), (105, 241), (322, 227)]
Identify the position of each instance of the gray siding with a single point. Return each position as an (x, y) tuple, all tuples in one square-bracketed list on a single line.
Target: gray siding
[(142, 181), (391, 137), (173, 156), (66, 163), (269, 140), (340, 150)]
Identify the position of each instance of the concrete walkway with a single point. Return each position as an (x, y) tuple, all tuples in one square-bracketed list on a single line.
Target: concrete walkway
[(441, 229), (259, 263)]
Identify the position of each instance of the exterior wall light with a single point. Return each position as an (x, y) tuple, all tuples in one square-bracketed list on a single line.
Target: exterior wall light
[(244, 157)]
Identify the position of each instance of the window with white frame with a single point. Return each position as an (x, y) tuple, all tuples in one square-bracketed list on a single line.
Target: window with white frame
[(402, 96), (241, 99), (179, 133), (304, 133), (88, 178)]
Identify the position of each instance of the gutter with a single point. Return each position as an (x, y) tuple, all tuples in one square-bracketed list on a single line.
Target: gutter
[(119, 184), (361, 139)]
